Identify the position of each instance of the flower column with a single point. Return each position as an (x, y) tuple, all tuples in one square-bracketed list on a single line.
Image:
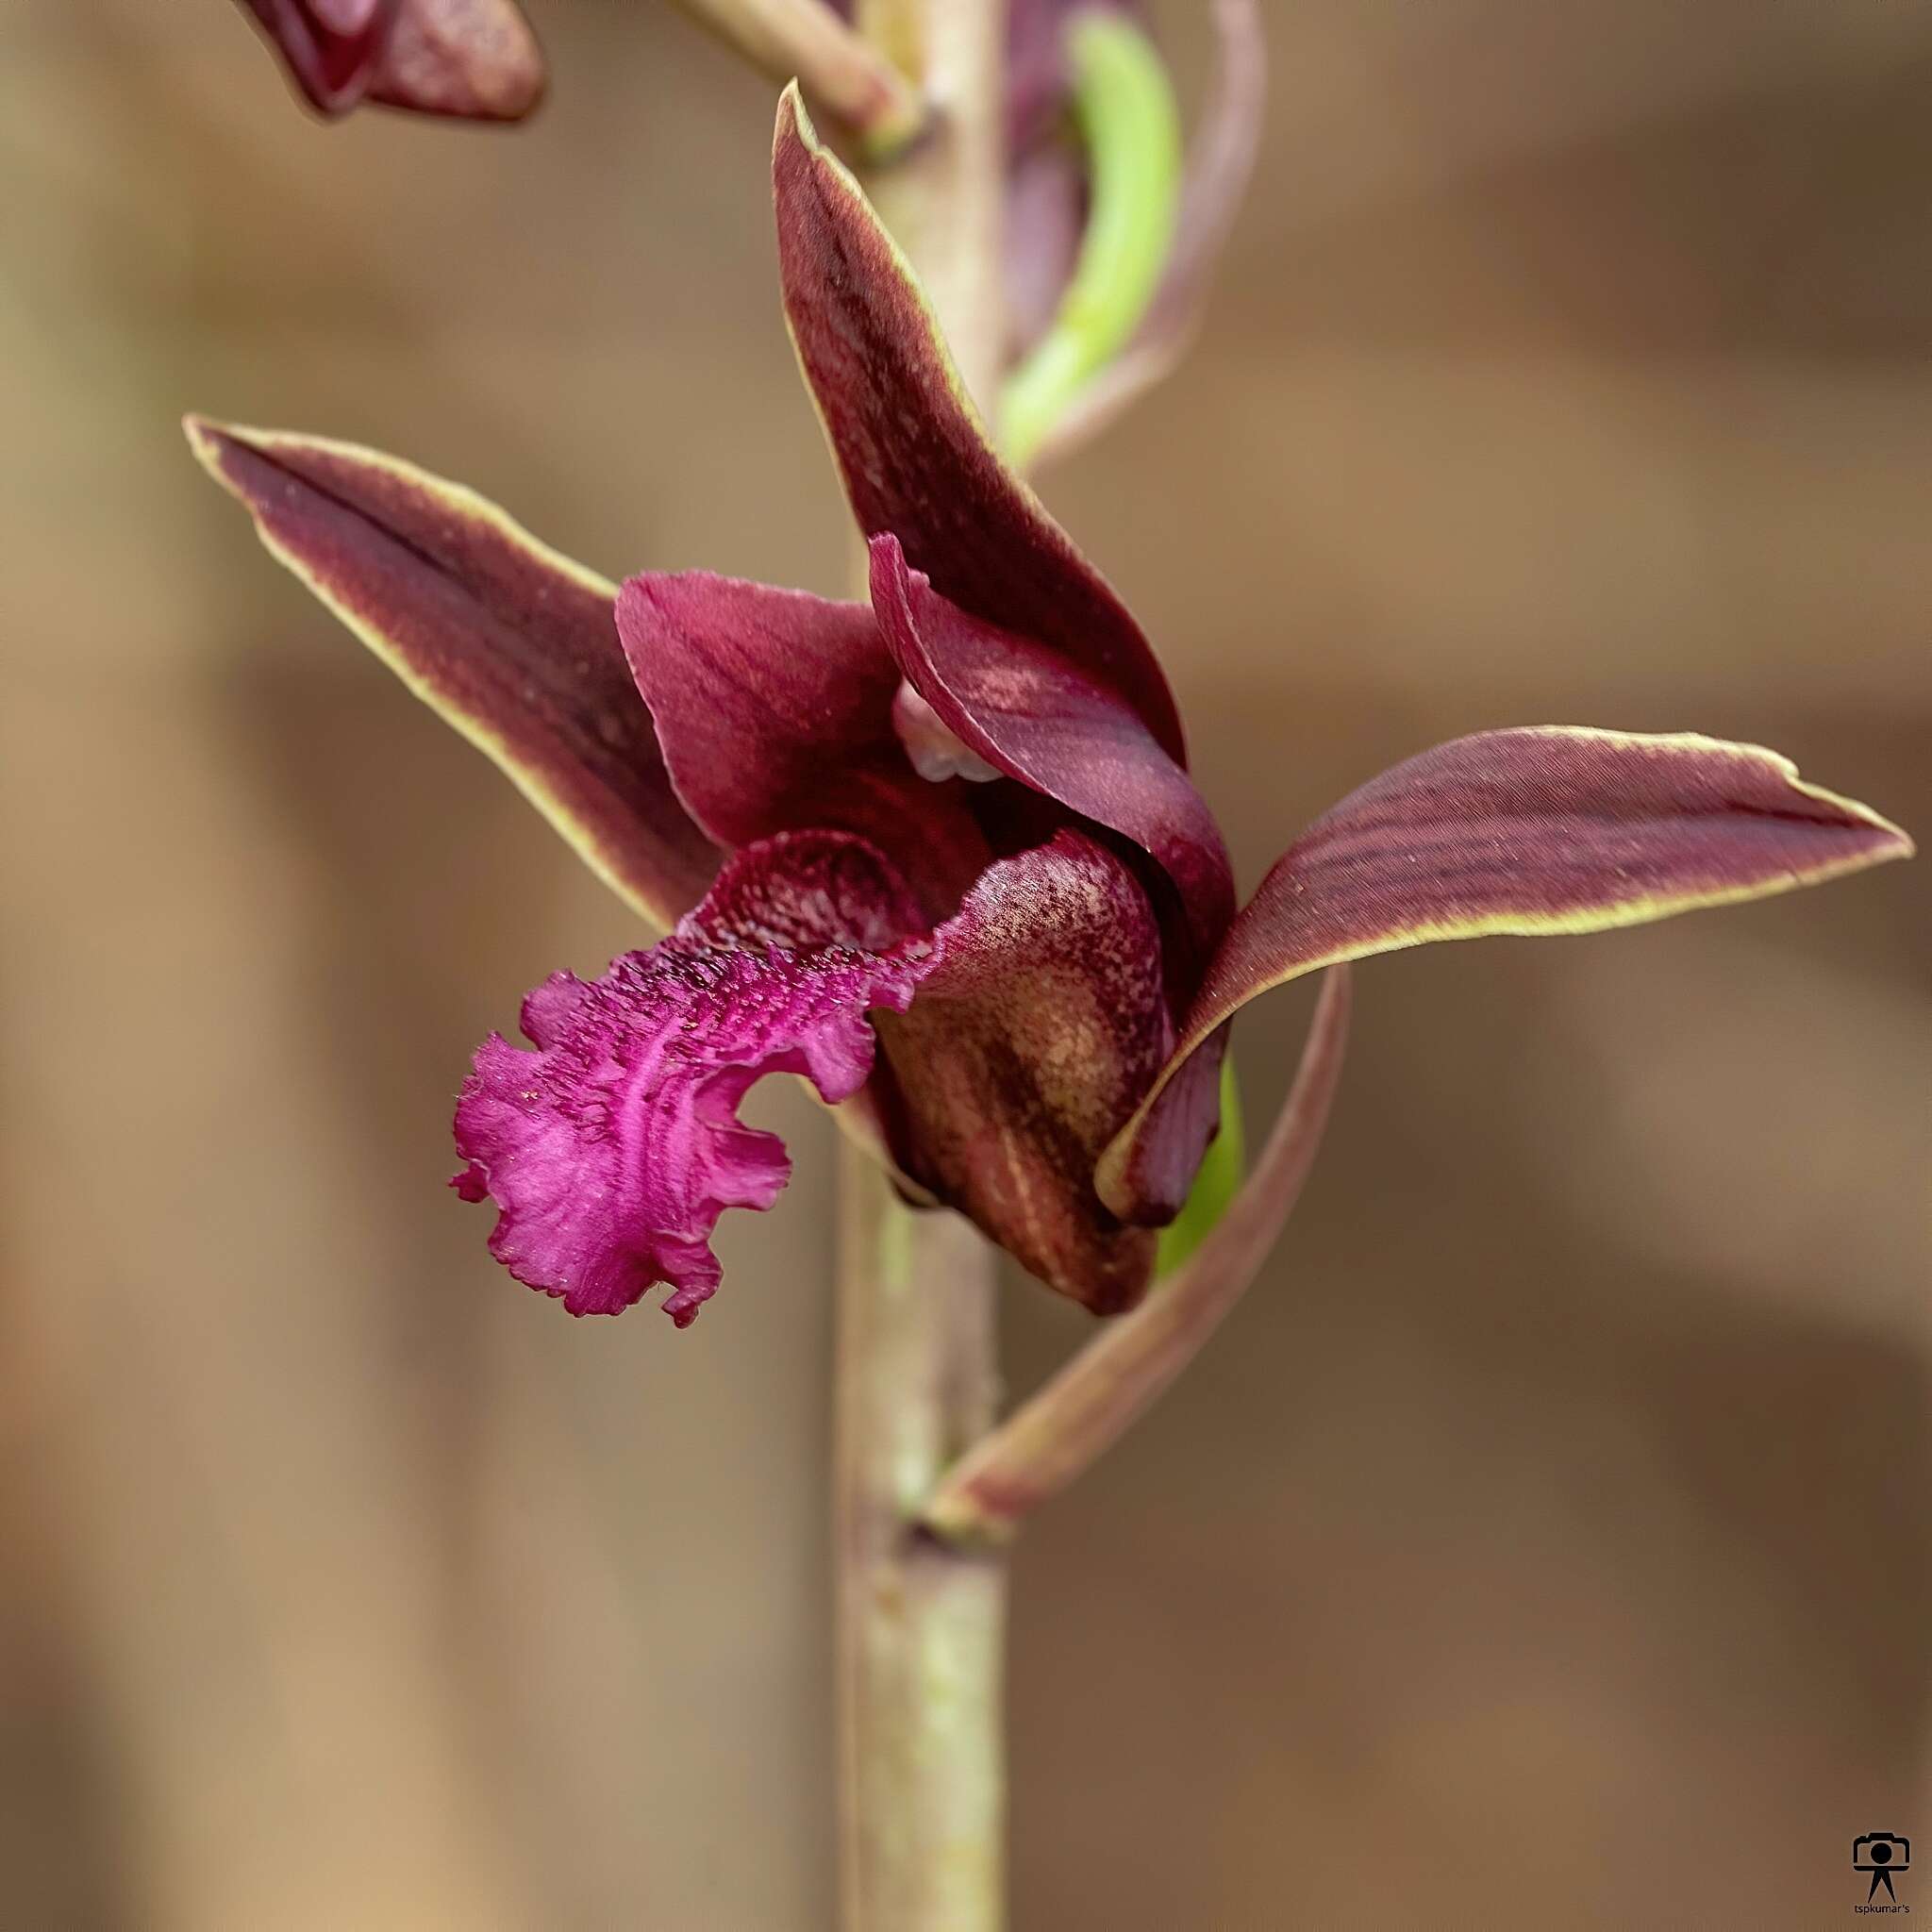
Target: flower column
[(921, 1621)]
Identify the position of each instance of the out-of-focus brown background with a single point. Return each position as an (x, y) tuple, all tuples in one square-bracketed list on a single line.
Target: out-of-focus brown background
[(1546, 1541)]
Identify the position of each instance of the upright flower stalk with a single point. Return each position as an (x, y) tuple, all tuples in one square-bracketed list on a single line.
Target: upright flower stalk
[(920, 1618)]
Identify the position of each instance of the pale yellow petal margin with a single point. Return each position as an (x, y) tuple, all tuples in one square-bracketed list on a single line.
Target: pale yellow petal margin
[(1214, 1010), (794, 119), (1637, 911), (911, 446), (467, 507)]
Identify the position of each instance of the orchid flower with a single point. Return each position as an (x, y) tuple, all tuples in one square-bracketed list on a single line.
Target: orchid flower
[(476, 59), (937, 853)]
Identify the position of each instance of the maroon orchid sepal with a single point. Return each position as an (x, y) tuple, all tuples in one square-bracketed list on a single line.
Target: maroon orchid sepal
[(1538, 832), (471, 60), (939, 853), (778, 714), (911, 446), (510, 641)]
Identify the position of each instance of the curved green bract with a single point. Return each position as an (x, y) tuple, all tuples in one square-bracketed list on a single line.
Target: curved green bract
[(1131, 126), (1216, 1185)]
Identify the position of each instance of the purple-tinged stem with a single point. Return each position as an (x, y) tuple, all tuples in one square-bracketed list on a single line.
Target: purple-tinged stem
[(839, 67), (1079, 1415), (922, 1622)]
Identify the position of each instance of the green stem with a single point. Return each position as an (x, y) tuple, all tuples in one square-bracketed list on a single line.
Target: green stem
[(1132, 128), (921, 1622)]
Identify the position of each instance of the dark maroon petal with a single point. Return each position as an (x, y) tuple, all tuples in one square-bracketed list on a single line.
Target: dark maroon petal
[(1060, 1431), (515, 645), (330, 47), (909, 446), (1027, 1047), (1540, 830), (1152, 1187), (1031, 713), (775, 709), (613, 1148), (476, 59)]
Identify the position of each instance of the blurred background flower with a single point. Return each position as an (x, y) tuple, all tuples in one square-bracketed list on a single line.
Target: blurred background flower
[(1569, 363), (473, 58)]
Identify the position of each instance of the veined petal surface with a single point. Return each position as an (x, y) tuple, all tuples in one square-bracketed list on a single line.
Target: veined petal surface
[(1540, 830), (1032, 1038), (1032, 713), (774, 710), (908, 442)]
